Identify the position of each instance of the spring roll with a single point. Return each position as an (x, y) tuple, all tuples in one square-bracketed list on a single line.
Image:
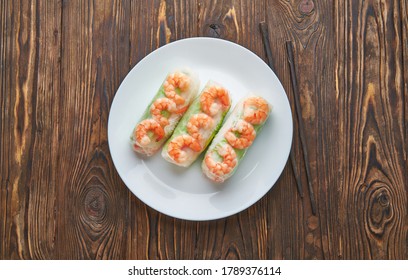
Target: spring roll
[(164, 111), (235, 137)]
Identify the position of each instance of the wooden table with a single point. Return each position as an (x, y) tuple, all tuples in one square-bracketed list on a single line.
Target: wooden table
[(62, 62)]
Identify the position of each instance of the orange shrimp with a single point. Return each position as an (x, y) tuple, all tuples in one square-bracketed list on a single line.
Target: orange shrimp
[(223, 166), (179, 146), (246, 135), (256, 110), (161, 106), (176, 82), (213, 99), (198, 122), (142, 132)]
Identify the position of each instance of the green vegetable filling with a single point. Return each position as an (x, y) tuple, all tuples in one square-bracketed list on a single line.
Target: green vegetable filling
[(150, 134), (165, 114)]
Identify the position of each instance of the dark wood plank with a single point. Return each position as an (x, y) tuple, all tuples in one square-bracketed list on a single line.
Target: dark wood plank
[(5, 119), (372, 199), (92, 206), (308, 24), (404, 31), (29, 138)]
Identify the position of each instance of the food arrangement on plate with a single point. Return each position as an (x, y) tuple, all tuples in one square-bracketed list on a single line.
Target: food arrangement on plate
[(187, 192), (185, 125)]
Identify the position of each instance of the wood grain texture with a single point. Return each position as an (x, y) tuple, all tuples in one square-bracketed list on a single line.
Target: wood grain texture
[(92, 223), (309, 25), (373, 195), (61, 63), (30, 89), (404, 31)]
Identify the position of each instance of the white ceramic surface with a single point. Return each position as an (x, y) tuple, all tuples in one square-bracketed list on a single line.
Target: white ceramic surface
[(187, 193)]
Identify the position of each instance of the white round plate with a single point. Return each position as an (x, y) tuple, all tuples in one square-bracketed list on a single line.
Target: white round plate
[(187, 193)]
